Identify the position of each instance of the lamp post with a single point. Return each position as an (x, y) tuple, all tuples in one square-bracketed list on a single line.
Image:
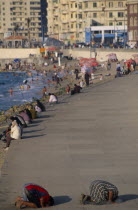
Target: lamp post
[(114, 29)]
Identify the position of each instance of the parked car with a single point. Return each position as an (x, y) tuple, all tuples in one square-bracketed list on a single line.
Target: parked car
[(81, 44)]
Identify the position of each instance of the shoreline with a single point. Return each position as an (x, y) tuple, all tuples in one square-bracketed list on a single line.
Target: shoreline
[(60, 92)]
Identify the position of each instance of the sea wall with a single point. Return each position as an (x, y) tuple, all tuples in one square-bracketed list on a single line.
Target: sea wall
[(101, 53), (7, 53)]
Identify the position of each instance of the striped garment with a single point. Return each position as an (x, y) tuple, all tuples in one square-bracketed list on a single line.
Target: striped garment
[(99, 191)]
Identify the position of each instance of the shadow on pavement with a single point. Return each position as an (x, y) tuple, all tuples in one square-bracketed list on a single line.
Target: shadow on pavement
[(28, 137), (61, 199), (128, 197)]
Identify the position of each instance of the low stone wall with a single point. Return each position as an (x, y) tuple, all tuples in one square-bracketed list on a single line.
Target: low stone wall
[(8, 53), (101, 53)]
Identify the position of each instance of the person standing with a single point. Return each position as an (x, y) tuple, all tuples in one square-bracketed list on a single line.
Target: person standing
[(76, 72), (87, 78), (44, 90)]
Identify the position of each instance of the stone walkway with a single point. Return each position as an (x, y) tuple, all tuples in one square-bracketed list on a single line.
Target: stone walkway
[(92, 135)]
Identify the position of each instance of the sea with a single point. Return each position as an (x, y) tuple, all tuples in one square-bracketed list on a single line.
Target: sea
[(14, 80)]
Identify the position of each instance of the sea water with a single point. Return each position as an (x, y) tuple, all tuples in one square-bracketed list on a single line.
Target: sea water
[(15, 80)]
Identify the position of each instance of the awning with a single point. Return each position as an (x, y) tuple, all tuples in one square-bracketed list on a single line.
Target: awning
[(108, 35)]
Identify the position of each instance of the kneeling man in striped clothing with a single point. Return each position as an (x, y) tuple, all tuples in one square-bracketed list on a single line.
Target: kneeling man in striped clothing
[(101, 192)]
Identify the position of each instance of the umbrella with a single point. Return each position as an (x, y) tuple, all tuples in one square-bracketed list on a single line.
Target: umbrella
[(129, 61), (94, 63), (16, 60)]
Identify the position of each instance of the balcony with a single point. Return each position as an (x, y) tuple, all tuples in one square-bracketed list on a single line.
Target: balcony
[(64, 2)]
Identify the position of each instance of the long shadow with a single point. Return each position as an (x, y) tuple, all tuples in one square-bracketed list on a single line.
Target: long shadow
[(32, 131), (32, 125), (61, 199), (38, 121), (45, 116), (35, 136), (128, 197)]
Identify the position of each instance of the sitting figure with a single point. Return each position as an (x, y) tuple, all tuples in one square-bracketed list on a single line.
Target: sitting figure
[(76, 89), (39, 104), (52, 98), (67, 89), (34, 196), (14, 133), (101, 192)]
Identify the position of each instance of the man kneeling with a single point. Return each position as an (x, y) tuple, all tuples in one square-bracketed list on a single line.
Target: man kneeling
[(34, 196), (101, 192)]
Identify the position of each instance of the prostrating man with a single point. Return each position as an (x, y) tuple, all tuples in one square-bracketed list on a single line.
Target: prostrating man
[(101, 192), (34, 196)]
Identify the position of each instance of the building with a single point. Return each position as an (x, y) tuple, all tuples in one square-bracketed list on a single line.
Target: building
[(67, 19), (132, 21), (23, 17)]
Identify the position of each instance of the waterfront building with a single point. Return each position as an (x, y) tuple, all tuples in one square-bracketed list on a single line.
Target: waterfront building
[(23, 17), (68, 20), (133, 21)]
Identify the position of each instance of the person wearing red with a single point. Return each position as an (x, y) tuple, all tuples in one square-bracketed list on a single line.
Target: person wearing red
[(34, 196)]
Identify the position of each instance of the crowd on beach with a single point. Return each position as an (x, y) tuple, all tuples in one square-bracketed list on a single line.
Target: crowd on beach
[(101, 192), (25, 117)]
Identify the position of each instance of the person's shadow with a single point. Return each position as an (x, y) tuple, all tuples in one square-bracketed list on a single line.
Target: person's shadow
[(127, 197), (61, 199)]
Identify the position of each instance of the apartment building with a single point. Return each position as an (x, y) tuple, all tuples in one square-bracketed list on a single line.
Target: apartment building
[(23, 17), (133, 21), (68, 19)]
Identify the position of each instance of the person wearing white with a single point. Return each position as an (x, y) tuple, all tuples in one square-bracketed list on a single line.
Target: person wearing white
[(52, 98), (15, 131), (15, 134)]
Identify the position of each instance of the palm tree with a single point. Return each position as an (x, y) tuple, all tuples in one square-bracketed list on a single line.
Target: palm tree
[(28, 26)]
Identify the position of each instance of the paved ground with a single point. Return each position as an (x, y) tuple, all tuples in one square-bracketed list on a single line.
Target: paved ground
[(93, 135)]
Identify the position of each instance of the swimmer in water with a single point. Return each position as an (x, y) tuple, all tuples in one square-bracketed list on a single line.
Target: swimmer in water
[(11, 91)]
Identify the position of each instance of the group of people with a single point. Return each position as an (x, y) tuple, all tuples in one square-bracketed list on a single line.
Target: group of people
[(35, 196), (126, 68), (20, 121)]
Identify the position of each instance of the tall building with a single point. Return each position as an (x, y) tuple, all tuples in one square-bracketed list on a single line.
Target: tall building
[(68, 19), (133, 21), (23, 17)]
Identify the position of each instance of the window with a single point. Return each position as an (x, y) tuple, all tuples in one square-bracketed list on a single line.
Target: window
[(94, 4), (71, 15), (85, 4), (80, 6), (120, 4), (110, 14), (111, 23), (94, 15), (120, 14), (80, 16), (110, 4), (76, 5), (120, 24)]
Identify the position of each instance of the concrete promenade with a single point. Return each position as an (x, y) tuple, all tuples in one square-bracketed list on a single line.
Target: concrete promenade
[(92, 135)]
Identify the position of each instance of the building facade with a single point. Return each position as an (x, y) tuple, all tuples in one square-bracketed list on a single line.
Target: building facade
[(67, 19), (23, 17), (133, 21)]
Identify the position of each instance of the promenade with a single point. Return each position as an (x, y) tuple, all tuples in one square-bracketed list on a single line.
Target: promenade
[(92, 135)]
